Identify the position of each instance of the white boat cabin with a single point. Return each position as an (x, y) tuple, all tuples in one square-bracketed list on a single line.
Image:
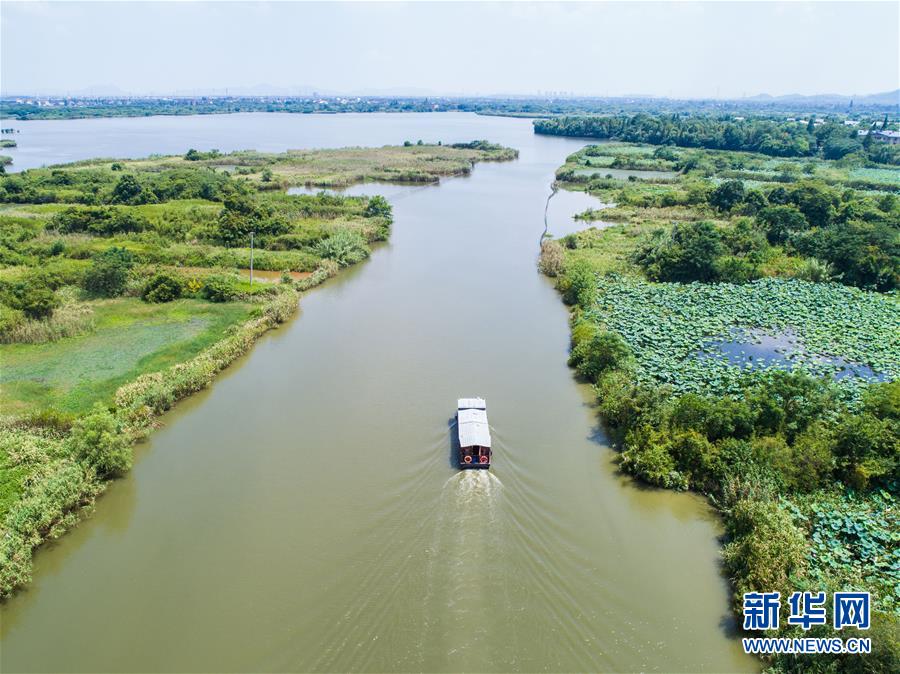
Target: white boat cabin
[(474, 433)]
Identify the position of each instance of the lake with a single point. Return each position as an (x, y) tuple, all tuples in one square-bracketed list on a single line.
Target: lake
[(304, 514)]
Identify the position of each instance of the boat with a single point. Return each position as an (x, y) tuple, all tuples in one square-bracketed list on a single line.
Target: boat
[(474, 433)]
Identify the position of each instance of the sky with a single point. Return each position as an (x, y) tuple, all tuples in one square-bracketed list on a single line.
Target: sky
[(686, 50)]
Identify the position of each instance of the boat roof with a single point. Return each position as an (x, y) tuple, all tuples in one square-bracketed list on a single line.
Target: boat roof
[(473, 428), (471, 404)]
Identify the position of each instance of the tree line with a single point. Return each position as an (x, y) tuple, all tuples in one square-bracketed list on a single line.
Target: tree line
[(777, 138)]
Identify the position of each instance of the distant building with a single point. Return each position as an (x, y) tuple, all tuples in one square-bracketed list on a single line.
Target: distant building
[(889, 137)]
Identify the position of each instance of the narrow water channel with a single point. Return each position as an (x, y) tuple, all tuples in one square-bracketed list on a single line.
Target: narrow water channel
[(303, 514)]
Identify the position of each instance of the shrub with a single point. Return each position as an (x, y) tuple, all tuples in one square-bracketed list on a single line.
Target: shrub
[(579, 285), (866, 448), (218, 288), (883, 400), (766, 548), (99, 221), (734, 269), (69, 320), (97, 440), (624, 404), (378, 206), (552, 259), (788, 402), (815, 271), (694, 457), (35, 300), (648, 457), (162, 287), (344, 246), (45, 510), (602, 352), (10, 319), (809, 461), (109, 272)]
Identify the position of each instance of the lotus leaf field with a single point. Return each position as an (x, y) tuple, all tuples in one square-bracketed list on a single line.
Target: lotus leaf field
[(670, 327), (854, 539)]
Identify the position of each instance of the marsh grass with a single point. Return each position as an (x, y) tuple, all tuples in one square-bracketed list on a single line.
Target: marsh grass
[(69, 320)]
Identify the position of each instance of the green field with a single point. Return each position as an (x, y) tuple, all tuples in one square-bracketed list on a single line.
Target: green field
[(131, 337)]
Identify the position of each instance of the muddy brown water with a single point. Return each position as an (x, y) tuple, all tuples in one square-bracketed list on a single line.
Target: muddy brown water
[(304, 514)]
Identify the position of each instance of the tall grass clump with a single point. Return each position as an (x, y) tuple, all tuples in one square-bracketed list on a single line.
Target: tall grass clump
[(69, 320)]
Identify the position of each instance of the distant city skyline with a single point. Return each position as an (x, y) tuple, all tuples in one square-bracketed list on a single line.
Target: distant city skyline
[(673, 50)]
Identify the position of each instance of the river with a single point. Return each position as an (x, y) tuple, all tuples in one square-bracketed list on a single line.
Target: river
[(304, 514)]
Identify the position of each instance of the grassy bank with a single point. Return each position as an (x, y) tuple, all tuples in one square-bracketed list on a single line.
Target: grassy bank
[(741, 336), (123, 289)]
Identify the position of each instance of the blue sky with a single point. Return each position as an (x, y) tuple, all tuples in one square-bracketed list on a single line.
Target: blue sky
[(666, 49)]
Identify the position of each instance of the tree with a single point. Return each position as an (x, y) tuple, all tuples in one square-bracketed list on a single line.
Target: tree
[(753, 202), (815, 201), (687, 254), (727, 195), (128, 190), (109, 272), (866, 255), (781, 222), (836, 147), (242, 215)]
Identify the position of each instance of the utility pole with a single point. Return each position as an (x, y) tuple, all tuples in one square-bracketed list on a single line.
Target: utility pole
[(251, 258)]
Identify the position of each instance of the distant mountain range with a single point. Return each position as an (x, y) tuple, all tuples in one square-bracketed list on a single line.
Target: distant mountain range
[(885, 98)]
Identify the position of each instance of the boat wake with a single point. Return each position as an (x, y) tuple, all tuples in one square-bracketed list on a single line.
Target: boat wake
[(464, 574)]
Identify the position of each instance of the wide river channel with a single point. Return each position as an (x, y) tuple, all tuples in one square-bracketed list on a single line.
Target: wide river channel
[(304, 513)]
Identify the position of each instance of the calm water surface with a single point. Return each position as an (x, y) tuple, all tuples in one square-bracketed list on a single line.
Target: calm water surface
[(303, 513)]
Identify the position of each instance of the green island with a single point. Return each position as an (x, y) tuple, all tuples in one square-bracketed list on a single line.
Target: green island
[(737, 313), (125, 287)]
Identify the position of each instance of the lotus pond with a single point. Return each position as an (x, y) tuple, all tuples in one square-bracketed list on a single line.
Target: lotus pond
[(691, 336), (757, 348)]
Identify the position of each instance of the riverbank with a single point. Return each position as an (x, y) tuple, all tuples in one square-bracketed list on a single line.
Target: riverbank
[(728, 360), (116, 269)]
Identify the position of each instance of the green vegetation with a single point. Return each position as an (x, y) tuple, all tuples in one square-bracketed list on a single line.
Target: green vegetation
[(127, 338), (672, 329), (122, 290), (792, 218), (779, 138), (739, 323)]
